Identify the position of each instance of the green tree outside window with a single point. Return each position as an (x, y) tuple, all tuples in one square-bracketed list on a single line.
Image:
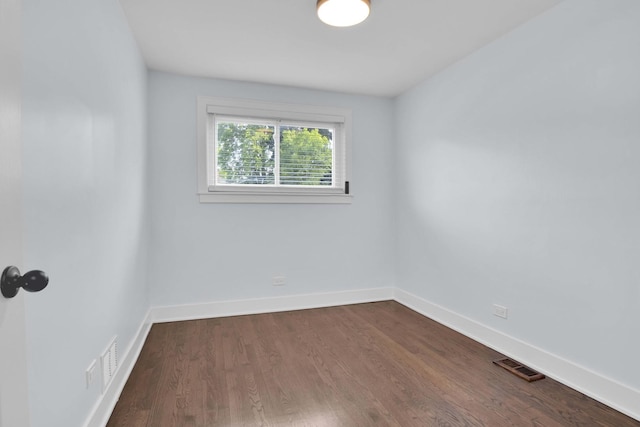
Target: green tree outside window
[(246, 155)]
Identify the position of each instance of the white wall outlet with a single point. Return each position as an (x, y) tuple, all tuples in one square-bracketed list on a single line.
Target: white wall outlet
[(500, 311), (279, 280), (90, 374)]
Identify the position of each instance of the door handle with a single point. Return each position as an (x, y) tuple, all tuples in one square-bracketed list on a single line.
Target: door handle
[(12, 281)]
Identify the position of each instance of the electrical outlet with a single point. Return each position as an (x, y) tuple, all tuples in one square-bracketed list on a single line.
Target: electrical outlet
[(91, 373), (500, 311), (279, 280)]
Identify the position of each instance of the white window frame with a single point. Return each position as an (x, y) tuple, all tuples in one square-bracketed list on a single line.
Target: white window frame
[(339, 118)]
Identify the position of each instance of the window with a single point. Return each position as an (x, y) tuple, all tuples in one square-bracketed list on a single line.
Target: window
[(258, 152)]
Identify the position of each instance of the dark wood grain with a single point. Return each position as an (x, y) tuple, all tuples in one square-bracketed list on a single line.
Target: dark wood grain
[(378, 364)]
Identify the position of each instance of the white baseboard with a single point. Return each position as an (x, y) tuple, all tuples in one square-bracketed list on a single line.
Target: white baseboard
[(603, 389), (268, 305), (610, 392), (103, 408)]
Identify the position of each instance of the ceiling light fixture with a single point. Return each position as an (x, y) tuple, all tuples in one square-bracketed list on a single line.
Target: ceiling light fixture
[(343, 13)]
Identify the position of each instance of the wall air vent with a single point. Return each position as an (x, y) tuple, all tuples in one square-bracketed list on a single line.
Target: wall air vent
[(109, 362), (519, 369)]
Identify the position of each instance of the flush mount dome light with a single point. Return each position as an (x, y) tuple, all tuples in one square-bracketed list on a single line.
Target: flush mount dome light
[(343, 13)]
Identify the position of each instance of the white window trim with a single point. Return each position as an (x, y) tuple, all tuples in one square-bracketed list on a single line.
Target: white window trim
[(249, 108)]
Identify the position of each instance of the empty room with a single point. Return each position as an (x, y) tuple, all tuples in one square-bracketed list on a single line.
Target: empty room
[(283, 212)]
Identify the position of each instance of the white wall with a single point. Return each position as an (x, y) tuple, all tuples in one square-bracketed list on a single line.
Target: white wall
[(84, 147), (516, 184), (216, 252), (520, 185)]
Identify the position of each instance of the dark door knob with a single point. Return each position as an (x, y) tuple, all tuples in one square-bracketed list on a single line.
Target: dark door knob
[(12, 281)]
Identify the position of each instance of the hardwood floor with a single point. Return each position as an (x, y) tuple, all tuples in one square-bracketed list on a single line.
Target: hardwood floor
[(377, 364)]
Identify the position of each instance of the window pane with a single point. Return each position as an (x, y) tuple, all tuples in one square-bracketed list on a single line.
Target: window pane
[(306, 156), (246, 153)]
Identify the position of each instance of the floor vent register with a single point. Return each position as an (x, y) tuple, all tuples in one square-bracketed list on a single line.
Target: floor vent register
[(519, 369)]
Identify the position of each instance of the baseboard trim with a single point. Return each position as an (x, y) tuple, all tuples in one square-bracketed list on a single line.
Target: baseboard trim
[(610, 392), (268, 305), (101, 412), (618, 396)]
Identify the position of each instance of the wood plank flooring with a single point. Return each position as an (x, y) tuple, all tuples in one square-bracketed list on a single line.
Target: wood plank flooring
[(377, 364)]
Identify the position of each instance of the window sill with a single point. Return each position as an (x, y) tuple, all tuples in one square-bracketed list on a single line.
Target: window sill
[(262, 198)]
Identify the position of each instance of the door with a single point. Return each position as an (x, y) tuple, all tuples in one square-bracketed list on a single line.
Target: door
[(14, 406)]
